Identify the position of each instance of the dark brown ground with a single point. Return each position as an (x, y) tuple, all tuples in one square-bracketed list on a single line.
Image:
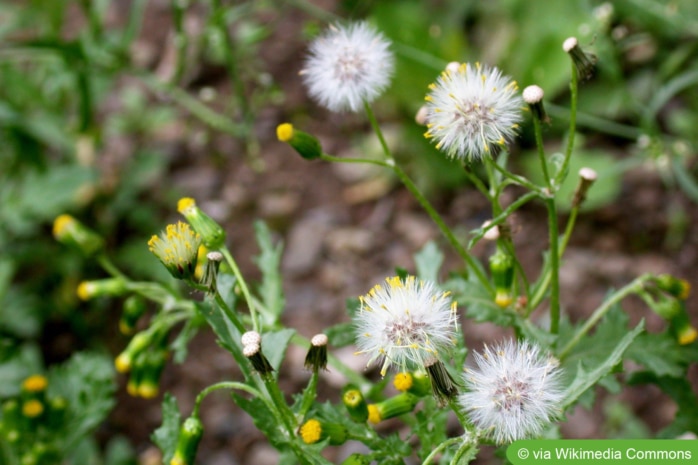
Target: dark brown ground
[(338, 246)]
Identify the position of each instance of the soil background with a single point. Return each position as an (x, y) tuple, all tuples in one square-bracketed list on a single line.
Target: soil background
[(345, 230)]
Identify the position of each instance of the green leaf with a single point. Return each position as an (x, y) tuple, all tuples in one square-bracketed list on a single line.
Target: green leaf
[(87, 382), (341, 335), (584, 379), (263, 419), (228, 335), (165, 437), (226, 288), (18, 363), (660, 354), (270, 289), (681, 391), (274, 344), (428, 262)]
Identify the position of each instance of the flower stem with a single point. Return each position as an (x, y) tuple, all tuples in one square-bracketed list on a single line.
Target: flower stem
[(243, 287), (554, 267), (631, 288), (445, 230), (409, 184), (560, 177), (228, 385)]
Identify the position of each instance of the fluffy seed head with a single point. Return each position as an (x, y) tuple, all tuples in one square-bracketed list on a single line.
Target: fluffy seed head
[(347, 66), (405, 322), (472, 111), (533, 94), (513, 393)]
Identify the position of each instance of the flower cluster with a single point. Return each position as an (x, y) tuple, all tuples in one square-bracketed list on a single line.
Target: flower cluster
[(406, 322), (347, 66), (514, 392), (471, 110)]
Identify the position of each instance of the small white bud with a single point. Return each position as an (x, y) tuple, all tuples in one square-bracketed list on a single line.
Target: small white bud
[(569, 44), (251, 338), (533, 94), (588, 174), (319, 340), (491, 234)]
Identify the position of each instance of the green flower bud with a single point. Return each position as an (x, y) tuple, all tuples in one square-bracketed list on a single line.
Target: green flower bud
[(188, 441), (679, 288), (112, 287), (502, 269), (314, 430), (354, 401), (392, 407), (305, 144), (69, 231), (212, 234), (138, 344), (134, 308), (150, 370)]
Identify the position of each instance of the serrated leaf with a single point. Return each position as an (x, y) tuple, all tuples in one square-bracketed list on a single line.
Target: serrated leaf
[(165, 437), (263, 419), (228, 335), (268, 261), (659, 353), (428, 262), (584, 379), (87, 382)]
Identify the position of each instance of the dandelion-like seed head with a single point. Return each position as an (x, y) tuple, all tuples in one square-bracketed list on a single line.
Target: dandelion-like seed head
[(347, 66), (513, 393), (405, 322), (472, 111), (177, 248)]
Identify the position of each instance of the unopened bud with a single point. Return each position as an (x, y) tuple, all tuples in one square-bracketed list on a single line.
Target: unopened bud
[(212, 234), (305, 144), (111, 287), (393, 407), (533, 96), (353, 400), (69, 231), (314, 430), (190, 434)]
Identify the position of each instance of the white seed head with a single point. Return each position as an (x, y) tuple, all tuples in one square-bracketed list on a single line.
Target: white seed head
[(319, 340), (533, 94), (406, 322), (347, 66), (472, 111), (514, 392), (250, 338), (569, 44), (588, 174)]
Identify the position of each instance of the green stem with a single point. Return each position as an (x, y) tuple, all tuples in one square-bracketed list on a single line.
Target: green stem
[(560, 177), (243, 287), (309, 395), (229, 313), (545, 280), (442, 446), (377, 129), (180, 39), (541, 153), (277, 398), (229, 385), (445, 230), (109, 267), (554, 267), (519, 180), (518, 203), (633, 287)]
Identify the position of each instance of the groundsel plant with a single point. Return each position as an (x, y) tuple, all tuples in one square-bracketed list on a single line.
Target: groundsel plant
[(513, 389)]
